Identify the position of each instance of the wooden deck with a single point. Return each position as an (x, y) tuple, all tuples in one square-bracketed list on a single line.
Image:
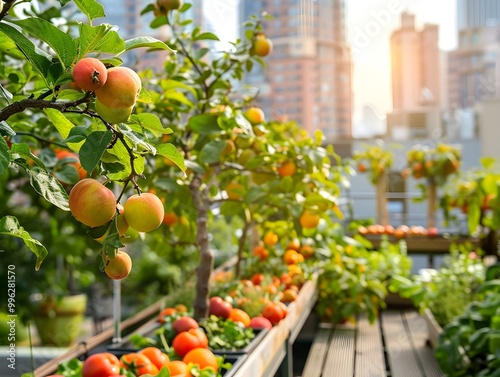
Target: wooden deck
[(395, 345)]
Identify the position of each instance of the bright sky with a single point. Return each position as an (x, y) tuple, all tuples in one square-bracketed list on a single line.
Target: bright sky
[(370, 24)]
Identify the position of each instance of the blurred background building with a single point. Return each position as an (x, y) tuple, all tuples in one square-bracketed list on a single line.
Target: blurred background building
[(308, 75), (415, 69)]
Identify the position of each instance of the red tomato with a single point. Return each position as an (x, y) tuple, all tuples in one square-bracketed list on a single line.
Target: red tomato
[(188, 340), (138, 364), (157, 357), (101, 365)]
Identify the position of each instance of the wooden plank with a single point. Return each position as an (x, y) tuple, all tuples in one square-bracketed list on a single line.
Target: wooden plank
[(418, 331), (402, 360), (341, 352), (370, 361), (317, 354)]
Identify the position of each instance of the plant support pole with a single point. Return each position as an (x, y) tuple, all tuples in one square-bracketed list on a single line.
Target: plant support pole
[(117, 312), (431, 205), (382, 215)]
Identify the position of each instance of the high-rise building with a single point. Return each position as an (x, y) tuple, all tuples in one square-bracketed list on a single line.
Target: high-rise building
[(416, 90), (474, 67), (477, 13), (308, 74)]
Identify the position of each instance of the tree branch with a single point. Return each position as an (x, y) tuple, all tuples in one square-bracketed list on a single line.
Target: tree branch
[(35, 103)]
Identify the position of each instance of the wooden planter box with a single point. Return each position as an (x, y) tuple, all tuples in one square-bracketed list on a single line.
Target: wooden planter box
[(433, 328)]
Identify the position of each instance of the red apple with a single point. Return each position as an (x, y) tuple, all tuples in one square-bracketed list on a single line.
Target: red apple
[(185, 324), (260, 323), (220, 307)]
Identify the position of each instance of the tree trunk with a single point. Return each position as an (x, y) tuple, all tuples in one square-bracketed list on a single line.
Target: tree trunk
[(205, 268), (382, 214), (431, 204)]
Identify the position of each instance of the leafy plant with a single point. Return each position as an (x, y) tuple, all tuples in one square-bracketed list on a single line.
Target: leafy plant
[(225, 334), (446, 291), (470, 344), (374, 161), (356, 280)]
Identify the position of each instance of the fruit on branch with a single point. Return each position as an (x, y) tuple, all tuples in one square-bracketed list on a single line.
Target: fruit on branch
[(121, 90), (170, 218), (130, 236), (144, 212), (113, 115), (309, 219), (61, 154), (166, 5), (119, 267), (287, 169), (91, 203), (234, 190), (270, 238), (90, 74), (255, 115), (121, 225), (262, 46)]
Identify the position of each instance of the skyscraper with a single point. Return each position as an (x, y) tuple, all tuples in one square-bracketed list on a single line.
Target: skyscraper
[(474, 67), (415, 79), (477, 13), (308, 75)]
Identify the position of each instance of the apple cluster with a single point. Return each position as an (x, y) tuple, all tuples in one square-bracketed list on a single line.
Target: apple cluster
[(94, 205), (116, 89)]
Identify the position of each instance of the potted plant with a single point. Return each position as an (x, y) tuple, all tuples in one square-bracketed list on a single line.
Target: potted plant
[(470, 344), (443, 294)]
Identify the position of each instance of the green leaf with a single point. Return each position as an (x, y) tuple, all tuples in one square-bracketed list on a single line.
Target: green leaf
[(210, 153), (93, 148), (9, 225), (77, 134), (172, 153), (204, 124), (167, 85), (488, 162), (4, 156), (148, 42), (206, 36), (63, 126), (40, 60), (100, 38), (150, 122), (8, 47), (4, 93), (6, 130), (91, 8), (179, 97), (57, 39), (137, 141), (49, 187)]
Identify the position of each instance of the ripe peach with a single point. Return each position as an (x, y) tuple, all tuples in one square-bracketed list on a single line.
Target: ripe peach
[(119, 267), (170, 218), (309, 219), (121, 224), (262, 46), (169, 4), (255, 115), (144, 212), (61, 154), (287, 169), (90, 74), (122, 88), (91, 203), (112, 115)]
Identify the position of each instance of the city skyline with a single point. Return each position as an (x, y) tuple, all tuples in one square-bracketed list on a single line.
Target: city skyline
[(369, 31)]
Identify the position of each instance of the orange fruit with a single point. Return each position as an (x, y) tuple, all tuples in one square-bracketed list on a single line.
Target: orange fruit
[(238, 315), (287, 169), (260, 252), (164, 313), (270, 238), (170, 218), (202, 357), (177, 368), (234, 191), (309, 219), (157, 357)]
